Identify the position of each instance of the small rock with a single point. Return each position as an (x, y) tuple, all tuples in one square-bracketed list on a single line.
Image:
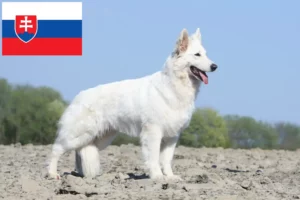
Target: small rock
[(199, 179), (296, 196), (246, 184), (265, 180), (165, 186), (184, 188)]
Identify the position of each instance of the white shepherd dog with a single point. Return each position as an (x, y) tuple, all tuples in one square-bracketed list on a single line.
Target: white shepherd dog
[(157, 108)]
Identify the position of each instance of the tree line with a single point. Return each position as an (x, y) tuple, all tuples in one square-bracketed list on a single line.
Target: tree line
[(30, 114)]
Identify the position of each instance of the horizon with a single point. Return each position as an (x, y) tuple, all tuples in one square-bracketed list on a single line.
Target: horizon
[(255, 45)]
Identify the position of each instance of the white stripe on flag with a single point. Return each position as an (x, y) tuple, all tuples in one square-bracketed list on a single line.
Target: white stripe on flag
[(43, 10)]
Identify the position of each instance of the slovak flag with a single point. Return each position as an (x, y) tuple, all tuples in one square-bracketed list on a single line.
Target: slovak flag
[(42, 28)]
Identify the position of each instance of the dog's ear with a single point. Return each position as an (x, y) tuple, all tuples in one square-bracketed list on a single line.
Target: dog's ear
[(198, 33), (182, 42)]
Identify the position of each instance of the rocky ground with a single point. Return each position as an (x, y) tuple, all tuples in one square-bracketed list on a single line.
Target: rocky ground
[(208, 174)]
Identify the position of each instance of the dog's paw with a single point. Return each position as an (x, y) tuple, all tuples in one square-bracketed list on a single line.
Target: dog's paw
[(52, 176)]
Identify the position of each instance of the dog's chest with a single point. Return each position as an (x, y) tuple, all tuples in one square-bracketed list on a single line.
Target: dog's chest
[(176, 120)]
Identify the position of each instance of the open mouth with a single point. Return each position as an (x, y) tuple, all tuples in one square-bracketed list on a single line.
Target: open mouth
[(199, 74)]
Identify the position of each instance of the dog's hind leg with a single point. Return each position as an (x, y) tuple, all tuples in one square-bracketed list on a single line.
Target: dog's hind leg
[(57, 151), (63, 145), (151, 139), (166, 156), (88, 157), (88, 161)]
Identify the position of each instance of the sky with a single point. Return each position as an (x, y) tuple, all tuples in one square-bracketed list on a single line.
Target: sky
[(256, 45)]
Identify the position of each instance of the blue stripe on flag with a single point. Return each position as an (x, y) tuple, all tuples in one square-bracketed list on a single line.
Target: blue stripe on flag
[(48, 29)]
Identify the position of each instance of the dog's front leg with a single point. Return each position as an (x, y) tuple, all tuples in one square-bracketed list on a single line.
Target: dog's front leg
[(166, 156), (150, 140)]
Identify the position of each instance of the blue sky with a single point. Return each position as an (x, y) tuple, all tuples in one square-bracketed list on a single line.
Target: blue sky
[(255, 43)]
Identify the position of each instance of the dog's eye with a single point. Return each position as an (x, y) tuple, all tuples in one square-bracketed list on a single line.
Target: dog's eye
[(197, 54)]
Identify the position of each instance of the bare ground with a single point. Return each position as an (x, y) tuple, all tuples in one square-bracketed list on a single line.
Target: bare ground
[(223, 174)]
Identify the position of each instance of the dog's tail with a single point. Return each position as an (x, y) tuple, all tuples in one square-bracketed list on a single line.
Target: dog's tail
[(88, 161)]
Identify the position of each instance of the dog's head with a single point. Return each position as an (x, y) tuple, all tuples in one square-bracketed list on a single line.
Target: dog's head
[(190, 56)]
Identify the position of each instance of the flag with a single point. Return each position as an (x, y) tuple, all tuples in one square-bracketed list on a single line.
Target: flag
[(42, 28)]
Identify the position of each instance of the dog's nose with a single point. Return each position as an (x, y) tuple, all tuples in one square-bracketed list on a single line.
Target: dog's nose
[(213, 67)]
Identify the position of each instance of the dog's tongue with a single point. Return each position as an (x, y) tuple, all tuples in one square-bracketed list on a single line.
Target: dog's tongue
[(204, 78)]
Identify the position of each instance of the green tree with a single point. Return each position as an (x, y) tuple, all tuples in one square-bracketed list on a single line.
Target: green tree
[(207, 128), (33, 114), (5, 95), (246, 132), (289, 135)]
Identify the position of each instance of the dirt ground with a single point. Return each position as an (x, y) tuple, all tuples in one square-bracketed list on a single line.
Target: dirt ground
[(208, 174)]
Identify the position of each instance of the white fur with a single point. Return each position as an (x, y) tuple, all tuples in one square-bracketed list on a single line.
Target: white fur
[(157, 108)]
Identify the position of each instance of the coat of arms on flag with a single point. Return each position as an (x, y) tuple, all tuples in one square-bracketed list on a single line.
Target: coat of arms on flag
[(26, 27), (42, 28)]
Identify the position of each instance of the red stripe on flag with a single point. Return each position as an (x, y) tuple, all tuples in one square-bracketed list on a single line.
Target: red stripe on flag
[(42, 46)]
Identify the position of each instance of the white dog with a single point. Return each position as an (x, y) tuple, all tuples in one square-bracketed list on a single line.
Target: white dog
[(157, 108)]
